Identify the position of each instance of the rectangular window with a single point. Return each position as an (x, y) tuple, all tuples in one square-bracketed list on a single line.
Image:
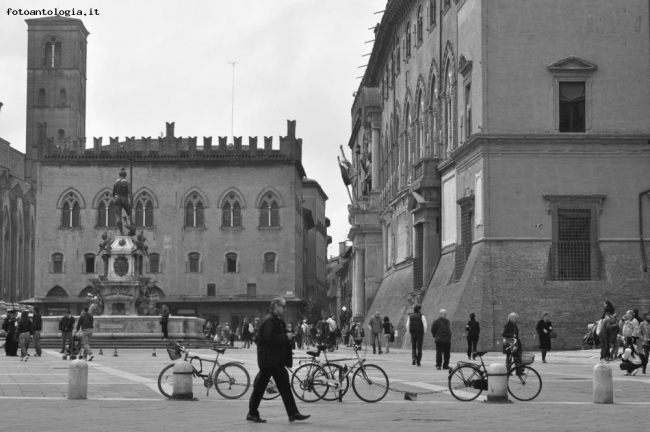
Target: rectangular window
[(251, 290), (154, 263), (573, 244), (212, 290), (572, 106), (57, 263), (269, 263), (449, 210), (89, 265), (231, 263), (194, 262)]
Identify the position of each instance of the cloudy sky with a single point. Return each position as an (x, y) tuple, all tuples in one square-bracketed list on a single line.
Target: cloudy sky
[(151, 62)]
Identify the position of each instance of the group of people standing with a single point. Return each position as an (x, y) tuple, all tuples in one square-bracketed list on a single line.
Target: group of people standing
[(630, 331), (20, 331)]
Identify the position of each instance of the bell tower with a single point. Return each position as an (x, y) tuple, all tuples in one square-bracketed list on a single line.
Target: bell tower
[(56, 87)]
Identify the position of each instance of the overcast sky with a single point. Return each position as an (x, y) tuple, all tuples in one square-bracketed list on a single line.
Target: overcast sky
[(151, 62)]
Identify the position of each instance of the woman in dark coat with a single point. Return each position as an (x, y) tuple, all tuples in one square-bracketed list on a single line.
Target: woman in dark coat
[(512, 341), (544, 328), (9, 326), (473, 330)]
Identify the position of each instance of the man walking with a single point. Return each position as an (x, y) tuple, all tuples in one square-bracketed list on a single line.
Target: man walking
[(273, 357), (332, 336), (65, 327), (416, 325), (86, 325), (375, 332), (37, 320), (441, 331)]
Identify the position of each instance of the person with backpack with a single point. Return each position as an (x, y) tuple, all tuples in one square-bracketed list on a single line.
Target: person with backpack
[(631, 360), (388, 332), (357, 333), (331, 322), (473, 330)]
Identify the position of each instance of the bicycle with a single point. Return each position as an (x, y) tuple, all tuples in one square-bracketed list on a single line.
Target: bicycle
[(231, 380), (468, 380), (311, 381)]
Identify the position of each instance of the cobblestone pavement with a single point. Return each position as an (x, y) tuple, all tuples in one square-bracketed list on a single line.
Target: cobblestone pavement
[(123, 395)]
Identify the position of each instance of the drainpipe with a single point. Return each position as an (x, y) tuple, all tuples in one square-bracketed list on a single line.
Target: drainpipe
[(641, 241)]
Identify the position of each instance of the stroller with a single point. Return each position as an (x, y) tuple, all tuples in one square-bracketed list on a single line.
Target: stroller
[(591, 339), (73, 351)]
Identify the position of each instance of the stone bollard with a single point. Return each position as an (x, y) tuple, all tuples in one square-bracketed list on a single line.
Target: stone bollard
[(497, 383), (78, 380), (183, 375), (603, 384)]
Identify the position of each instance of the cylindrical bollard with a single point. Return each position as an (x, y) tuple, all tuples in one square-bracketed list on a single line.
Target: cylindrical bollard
[(603, 384), (497, 383), (182, 381), (78, 380)]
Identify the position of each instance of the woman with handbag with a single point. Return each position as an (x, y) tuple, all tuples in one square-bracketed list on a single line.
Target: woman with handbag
[(545, 333)]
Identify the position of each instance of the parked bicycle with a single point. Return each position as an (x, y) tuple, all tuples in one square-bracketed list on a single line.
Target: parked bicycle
[(328, 380), (231, 380), (468, 380)]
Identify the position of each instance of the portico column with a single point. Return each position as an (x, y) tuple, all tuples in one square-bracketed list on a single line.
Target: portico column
[(359, 282), (375, 159)]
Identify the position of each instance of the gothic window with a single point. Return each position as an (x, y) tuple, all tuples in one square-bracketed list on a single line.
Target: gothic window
[(398, 62), (407, 45), (419, 147), (144, 211), (41, 98), (270, 262), (89, 263), (57, 263), (269, 212), (432, 12), (419, 24), (53, 53), (106, 212), (232, 263), (194, 216), (468, 110), (231, 212), (572, 106), (154, 263), (194, 262), (448, 108), (63, 98), (70, 212)]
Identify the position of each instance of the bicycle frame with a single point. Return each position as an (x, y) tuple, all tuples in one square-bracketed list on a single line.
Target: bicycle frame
[(332, 380)]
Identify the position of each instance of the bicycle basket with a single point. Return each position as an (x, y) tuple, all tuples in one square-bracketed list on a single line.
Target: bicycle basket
[(527, 358), (174, 353)]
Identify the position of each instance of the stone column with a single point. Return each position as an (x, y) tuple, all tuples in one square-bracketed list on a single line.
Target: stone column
[(359, 287), (375, 159), (426, 254)]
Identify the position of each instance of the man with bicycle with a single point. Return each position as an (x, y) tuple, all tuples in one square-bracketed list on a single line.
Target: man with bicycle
[(274, 355)]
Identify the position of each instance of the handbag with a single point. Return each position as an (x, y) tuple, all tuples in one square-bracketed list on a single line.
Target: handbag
[(552, 334)]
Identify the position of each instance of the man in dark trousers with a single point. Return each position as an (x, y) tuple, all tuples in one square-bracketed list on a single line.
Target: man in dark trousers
[(416, 325), (273, 357), (441, 331), (66, 325), (38, 328)]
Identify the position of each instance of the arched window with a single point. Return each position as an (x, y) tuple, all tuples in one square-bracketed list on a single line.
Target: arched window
[(407, 140), (232, 263), (70, 212), (269, 212), (398, 62), (41, 98), (57, 263), (270, 262), (419, 138), (63, 98), (53, 54), (448, 110), (194, 262), (407, 48), (231, 212), (432, 12), (194, 217), (154, 263), (419, 33), (144, 211), (106, 212)]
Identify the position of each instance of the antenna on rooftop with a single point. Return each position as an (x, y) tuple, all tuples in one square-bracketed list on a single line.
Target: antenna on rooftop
[(232, 102)]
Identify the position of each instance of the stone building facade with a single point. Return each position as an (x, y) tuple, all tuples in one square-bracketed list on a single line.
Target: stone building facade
[(500, 163), (224, 222)]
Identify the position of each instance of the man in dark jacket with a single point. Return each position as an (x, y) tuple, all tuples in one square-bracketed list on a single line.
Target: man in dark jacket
[(86, 324), (66, 325), (38, 328), (416, 324), (273, 357), (441, 331)]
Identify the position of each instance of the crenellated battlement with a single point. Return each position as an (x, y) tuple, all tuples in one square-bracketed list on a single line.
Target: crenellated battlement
[(172, 147)]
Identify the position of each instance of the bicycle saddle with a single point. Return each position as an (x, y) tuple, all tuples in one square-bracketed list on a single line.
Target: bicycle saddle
[(219, 350), (480, 353), (313, 353)]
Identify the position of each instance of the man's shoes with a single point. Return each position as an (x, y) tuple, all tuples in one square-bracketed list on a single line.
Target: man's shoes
[(627, 374), (37, 355), (298, 416), (21, 359), (27, 358), (544, 361), (413, 362), (91, 358), (381, 352), (255, 419), (418, 363), (445, 367), (438, 367), (61, 352)]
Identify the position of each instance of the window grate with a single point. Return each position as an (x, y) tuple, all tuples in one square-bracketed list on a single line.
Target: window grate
[(574, 244)]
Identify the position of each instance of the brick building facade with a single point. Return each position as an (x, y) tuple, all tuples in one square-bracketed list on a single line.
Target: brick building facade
[(501, 163)]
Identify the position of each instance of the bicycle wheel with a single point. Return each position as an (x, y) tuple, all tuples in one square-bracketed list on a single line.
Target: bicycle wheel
[(525, 387), (309, 382), (461, 383), (232, 380), (336, 372), (166, 381), (370, 383), (271, 391)]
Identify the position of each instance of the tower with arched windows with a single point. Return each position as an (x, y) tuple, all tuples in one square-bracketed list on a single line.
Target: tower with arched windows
[(56, 87)]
